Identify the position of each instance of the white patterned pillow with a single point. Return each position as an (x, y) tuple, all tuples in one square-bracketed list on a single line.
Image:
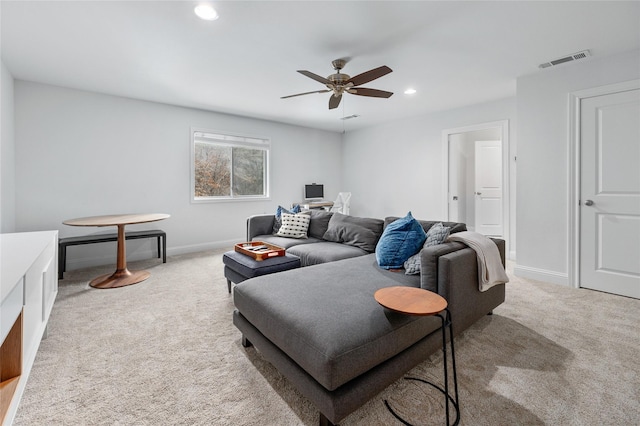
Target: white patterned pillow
[(294, 225), (436, 235)]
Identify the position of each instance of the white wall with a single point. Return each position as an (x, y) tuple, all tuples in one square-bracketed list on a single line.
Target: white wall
[(83, 154), (7, 152), (543, 163), (396, 167), (80, 154)]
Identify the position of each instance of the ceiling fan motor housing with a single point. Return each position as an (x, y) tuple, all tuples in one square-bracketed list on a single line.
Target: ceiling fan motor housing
[(338, 78)]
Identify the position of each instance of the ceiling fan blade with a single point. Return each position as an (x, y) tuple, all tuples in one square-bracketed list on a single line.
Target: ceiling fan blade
[(334, 101), (305, 93), (316, 77), (370, 75), (363, 91)]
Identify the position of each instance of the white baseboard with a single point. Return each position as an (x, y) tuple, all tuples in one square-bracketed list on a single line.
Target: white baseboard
[(191, 248), (110, 259), (542, 275), (512, 255)]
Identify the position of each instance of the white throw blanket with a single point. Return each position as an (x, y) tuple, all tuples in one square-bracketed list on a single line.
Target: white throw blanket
[(490, 269)]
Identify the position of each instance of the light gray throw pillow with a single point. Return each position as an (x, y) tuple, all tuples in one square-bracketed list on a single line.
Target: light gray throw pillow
[(436, 235)]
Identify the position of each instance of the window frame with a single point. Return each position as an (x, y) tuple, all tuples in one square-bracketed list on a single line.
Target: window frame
[(231, 139)]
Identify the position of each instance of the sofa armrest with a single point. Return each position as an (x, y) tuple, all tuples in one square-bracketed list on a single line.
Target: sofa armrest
[(429, 263), (259, 224), (458, 284), (429, 257), (501, 248)]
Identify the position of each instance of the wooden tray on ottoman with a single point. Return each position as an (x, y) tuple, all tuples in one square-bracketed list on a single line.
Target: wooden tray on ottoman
[(259, 250)]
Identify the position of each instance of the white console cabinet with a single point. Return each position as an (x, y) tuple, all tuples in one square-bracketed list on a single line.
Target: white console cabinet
[(28, 288)]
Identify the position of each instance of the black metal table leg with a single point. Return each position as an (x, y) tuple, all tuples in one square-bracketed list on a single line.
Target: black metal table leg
[(445, 323)]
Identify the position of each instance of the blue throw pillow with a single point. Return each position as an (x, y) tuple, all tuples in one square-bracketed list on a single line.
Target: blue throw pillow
[(277, 223), (400, 240)]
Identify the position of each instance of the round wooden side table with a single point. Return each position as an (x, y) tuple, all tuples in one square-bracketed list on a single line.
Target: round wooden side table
[(420, 302)]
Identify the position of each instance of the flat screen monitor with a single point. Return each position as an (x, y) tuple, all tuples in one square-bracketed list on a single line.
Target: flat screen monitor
[(314, 192)]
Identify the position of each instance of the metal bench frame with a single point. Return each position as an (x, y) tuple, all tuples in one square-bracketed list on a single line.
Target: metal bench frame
[(63, 243)]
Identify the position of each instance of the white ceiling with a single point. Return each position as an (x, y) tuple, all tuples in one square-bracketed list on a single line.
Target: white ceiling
[(452, 53)]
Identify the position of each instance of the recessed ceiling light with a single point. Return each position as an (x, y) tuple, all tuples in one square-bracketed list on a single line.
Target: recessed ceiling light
[(410, 91), (206, 12)]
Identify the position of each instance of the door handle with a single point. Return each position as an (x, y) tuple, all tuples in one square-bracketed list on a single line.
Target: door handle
[(478, 193), (589, 203)]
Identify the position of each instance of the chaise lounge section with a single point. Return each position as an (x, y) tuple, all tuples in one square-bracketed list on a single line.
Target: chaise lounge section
[(320, 326)]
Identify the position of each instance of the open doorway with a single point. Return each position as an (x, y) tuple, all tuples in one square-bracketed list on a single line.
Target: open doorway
[(476, 177)]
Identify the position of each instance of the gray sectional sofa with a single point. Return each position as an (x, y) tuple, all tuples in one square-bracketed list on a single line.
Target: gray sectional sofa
[(320, 326)]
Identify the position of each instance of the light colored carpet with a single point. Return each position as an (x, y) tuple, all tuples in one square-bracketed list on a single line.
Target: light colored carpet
[(165, 352)]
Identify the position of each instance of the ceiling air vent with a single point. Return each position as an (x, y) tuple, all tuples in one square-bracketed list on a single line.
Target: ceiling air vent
[(574, 57)]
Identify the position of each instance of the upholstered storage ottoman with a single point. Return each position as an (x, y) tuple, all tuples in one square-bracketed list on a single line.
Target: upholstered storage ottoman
[(239, 267)]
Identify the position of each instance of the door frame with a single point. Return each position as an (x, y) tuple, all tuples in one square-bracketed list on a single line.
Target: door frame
[(506, 203), (574, 168)]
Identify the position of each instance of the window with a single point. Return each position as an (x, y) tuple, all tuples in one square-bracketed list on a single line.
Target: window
[(228, 167)]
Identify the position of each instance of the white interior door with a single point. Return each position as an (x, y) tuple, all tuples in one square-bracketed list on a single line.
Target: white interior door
[(488, 188), (610, 193)]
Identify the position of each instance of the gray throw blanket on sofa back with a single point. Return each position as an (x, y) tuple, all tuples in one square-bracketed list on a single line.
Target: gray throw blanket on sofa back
[(490, 269)]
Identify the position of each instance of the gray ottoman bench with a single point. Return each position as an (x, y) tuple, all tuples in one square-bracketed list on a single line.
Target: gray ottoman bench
[(239, 267)]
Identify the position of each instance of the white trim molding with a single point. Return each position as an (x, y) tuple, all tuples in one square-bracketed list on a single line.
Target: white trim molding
[(214, 245), (146, 250), (542, 275)]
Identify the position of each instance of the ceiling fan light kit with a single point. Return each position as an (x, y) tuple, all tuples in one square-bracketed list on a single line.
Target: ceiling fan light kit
[(340, 83)]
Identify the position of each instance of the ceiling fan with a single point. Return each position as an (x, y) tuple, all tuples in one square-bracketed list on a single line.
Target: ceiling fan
[(339, 83)]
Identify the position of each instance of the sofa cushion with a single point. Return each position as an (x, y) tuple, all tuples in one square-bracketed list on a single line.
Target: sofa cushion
[(427, 224), (294, 225), (283, 242), (319, 222), (277, 222), (436, 235), (348, 336), (400, 240), (324, 251), (354, 231)]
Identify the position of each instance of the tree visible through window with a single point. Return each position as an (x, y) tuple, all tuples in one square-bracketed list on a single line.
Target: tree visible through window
[(227, 166)]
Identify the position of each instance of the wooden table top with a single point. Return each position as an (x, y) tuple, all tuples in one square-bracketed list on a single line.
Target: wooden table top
[(117, 219), (411, 300)]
